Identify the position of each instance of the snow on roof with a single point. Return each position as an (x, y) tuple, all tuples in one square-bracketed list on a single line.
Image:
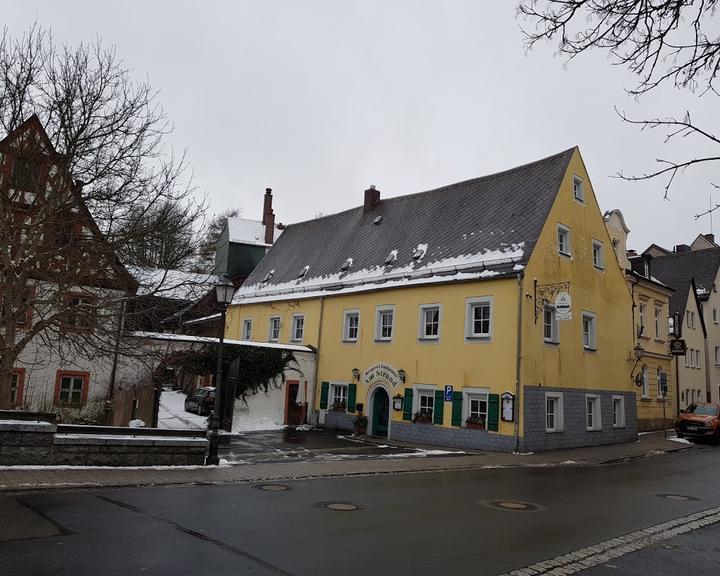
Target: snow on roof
[(172, 284), (464, 267), (246, 231), (210, 340)]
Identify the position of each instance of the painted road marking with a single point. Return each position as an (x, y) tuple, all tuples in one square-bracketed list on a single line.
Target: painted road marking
[(601, 553)]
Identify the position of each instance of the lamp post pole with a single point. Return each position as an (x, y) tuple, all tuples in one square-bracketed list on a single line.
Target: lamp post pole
[(213, 434)]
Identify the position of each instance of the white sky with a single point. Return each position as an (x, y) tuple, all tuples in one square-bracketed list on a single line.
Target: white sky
[(320, 99)]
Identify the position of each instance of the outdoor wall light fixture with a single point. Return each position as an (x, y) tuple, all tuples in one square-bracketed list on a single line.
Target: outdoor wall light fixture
[(356, 374), (639, 352), (397, 403), (401, 373)]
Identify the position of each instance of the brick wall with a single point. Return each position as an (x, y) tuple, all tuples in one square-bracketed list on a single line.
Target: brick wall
[(575, 433)]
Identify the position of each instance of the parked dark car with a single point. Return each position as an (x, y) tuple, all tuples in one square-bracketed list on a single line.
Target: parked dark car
[(699, 421), (201, 402)]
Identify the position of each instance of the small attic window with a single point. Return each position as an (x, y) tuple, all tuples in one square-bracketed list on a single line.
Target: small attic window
[(268, 276), (419, 252), (303, 272), (347, 265), (391, 257), (377, 220)]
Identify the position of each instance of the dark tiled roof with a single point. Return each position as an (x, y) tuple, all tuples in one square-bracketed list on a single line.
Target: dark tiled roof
[(678, 269), (492, 213)]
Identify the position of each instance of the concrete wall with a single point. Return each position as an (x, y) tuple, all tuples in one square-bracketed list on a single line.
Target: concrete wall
[(575, 433)]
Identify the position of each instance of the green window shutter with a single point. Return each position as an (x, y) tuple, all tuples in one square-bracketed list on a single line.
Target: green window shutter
[(324, 391), (352, 395), (493, 419), (438, 407), (457, 409), (407, 404)]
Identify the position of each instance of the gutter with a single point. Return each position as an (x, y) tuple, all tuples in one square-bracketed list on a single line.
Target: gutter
[(518, 362)]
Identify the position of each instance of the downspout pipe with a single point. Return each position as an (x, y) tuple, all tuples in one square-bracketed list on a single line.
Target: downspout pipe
[(518, 361), (317, 357)]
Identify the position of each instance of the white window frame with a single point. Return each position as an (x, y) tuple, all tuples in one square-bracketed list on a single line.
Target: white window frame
[(554, 325), (422, 324), (470, 305), (717, 355), (598, 263), (658, 323), (715, 317), (594, 401), (346, 325), (567, 234), (470, 394), (247, 329), (645, 379), (271, 328), (641, 314), (380, 311), (558, 422), (578, 185), (294, 326), (425, 390), (342, 388), (592, 343), (618, 415)]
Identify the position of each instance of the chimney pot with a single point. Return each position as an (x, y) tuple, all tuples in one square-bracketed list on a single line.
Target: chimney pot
[(372, 197)]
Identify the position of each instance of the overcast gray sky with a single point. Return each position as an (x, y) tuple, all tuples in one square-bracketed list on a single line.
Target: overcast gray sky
[(320, 99)]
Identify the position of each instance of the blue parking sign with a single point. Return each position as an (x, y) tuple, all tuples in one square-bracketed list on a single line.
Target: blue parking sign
[(448, 393)]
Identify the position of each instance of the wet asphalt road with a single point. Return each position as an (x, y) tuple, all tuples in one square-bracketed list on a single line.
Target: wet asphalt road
[(439, 523)]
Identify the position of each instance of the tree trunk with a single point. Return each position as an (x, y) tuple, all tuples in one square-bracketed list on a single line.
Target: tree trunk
[(5, 383)]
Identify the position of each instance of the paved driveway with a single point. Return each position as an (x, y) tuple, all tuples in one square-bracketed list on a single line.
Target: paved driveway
[(314, 444)]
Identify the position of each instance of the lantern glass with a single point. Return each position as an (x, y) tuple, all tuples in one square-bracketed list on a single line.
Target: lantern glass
[(224, 290)]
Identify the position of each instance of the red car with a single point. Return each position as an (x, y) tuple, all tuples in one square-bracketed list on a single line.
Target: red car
[(699, 421)]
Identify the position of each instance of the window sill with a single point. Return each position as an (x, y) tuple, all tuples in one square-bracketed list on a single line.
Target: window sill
[(552, 431), (551, 343), (383, 340), (588, 349), (349, 341), (566, 254), (659, 341), (429, 340), (599, 268), (478, 338), (619, 427), (646, 338), (593, 429), (645, 399)]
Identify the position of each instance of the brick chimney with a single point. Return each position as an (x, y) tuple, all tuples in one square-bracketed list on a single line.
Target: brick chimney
[(710, 237), (372, 197), (267, 204), (269, 227)]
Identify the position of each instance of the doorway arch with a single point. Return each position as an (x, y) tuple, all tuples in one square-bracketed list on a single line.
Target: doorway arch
[(379, 411)]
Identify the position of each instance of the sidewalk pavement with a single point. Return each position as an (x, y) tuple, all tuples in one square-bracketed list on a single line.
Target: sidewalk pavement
[(45, 477)]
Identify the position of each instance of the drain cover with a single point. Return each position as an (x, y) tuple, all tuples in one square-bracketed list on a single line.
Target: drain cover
[(677, 497), (340, 506), (273, 487), (514, 505)]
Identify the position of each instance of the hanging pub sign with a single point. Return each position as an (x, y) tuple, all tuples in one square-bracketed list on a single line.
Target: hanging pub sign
[(384, 372), (507, 412), (563, 306), (678, 347)]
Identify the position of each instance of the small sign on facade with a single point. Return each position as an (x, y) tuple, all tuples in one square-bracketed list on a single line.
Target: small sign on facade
[(563, 306), (384, 372), (448, 393), (508, 407), (678, 347)]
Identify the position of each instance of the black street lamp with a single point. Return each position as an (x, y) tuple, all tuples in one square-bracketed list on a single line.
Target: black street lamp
[(224, 291)]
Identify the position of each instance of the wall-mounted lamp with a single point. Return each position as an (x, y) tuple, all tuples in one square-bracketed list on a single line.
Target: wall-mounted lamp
[(356, 374), (397, 403), (401, 373), (639, 352)]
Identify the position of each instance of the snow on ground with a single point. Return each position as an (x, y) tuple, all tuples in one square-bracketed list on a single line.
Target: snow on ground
[(681, 440), (247, 423), (172, 413)]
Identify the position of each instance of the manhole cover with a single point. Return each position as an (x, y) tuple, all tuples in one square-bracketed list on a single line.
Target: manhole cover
[(340, 506), (273, 487), (677, 497), (513, 505)]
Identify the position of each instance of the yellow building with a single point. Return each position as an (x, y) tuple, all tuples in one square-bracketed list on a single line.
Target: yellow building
[(653, 371), (487, 314)]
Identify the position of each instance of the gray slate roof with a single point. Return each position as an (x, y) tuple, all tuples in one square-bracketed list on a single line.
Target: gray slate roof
[(490, 213), (677, 270)]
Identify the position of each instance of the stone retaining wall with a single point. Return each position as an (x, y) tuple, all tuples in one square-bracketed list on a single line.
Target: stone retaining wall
[(340, 420), (431, 434), (97, 450), (25, 442)]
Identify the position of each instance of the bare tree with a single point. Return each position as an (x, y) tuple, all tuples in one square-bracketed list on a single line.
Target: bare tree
[(86, 179), (205, 261), (666, 42)]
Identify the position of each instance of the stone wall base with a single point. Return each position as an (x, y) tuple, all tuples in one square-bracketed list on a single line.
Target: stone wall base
[(340, 420), (455, 437)]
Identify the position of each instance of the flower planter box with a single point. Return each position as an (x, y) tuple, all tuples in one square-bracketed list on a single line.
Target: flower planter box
[(474, 426)]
